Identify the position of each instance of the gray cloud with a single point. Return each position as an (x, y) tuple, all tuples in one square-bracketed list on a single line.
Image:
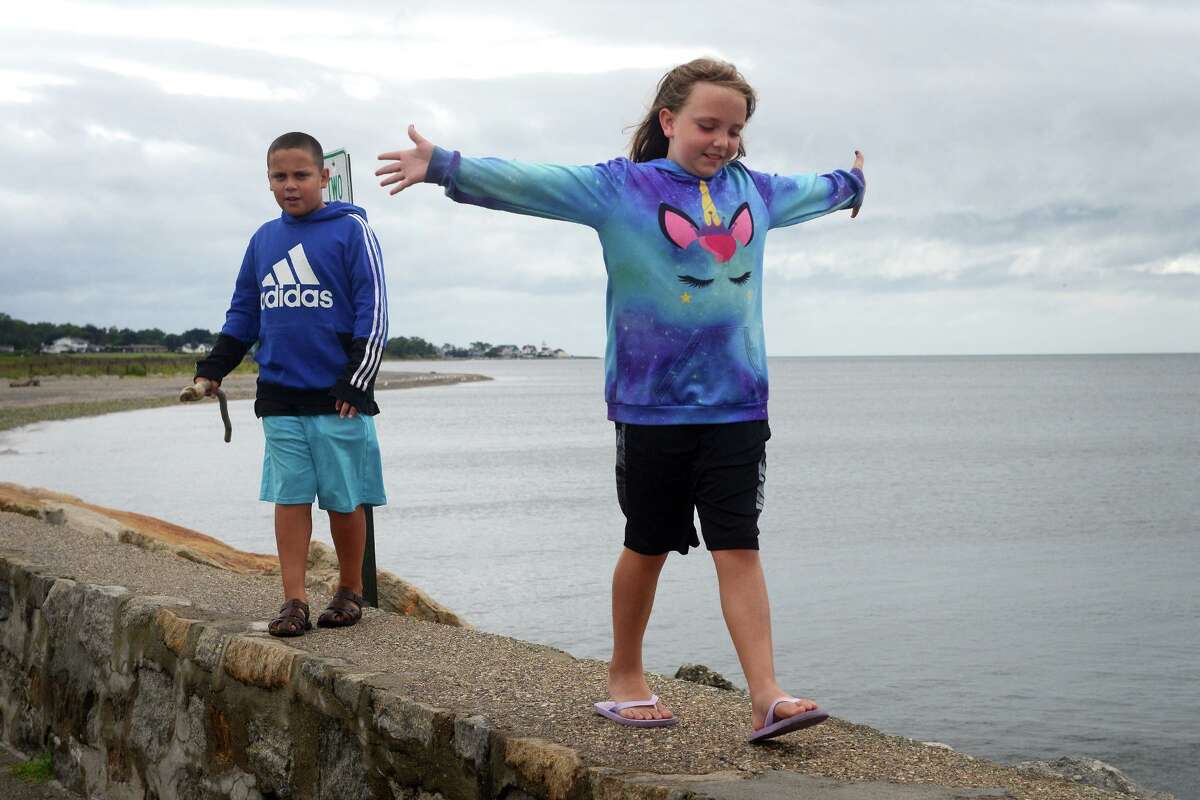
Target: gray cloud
[(1018, 154)]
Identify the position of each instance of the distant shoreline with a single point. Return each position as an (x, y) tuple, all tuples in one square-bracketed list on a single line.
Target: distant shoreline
[(58, 397)]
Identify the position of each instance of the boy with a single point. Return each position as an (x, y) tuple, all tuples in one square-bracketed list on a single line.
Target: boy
[(311, 293)]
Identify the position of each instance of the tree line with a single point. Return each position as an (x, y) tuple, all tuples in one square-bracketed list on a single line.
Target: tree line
[(30, 337)]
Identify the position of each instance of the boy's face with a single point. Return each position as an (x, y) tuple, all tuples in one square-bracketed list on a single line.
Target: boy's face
[(296, 181)]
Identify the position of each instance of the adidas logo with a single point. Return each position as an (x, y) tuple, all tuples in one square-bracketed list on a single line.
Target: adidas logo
[(282, 289)]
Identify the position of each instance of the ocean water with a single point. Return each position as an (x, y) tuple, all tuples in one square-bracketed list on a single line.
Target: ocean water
[(997, 553)]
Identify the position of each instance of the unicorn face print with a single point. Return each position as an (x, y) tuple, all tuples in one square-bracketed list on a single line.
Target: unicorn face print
[(719, 240)]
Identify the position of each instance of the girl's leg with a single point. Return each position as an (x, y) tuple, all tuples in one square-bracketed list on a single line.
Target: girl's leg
[(635, 581), (748, 617), (293, 530), (349, 532)]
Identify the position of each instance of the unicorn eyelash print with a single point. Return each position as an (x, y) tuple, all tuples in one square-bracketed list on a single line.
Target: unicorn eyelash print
[(721, 241)]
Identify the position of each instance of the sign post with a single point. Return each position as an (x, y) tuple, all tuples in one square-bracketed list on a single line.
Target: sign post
[(341, 188), (369, 574)]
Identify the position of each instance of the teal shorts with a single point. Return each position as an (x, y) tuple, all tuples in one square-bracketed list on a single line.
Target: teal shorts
[(325, 457)]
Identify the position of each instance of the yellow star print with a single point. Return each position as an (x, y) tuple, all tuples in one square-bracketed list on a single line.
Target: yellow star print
[(685, 297)]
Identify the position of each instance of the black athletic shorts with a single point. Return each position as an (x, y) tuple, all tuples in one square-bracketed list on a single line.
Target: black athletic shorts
[(666, 471)]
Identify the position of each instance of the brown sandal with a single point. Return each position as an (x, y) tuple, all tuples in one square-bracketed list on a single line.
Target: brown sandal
[(343, 610), (292, 619)]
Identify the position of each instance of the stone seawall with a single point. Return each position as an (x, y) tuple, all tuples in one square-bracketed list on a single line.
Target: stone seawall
[(148, 675), (141, 696)]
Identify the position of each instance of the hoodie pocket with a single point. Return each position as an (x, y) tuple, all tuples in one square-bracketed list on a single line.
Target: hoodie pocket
[(718, 367), (301, 355)]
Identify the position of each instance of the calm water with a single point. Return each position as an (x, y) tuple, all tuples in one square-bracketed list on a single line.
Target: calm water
[(997, 553)]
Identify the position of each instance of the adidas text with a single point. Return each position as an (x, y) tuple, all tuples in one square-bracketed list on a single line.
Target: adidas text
[(295, 297)]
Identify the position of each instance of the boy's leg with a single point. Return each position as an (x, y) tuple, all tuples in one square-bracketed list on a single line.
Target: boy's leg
[(349, 532), (349, 476), (635, 581), (293, 530), (748, 617)]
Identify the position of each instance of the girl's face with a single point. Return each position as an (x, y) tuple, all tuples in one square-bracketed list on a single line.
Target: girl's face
[(704, 135)]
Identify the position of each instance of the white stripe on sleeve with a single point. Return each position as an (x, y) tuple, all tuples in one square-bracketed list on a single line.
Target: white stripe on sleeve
[(366, 371)]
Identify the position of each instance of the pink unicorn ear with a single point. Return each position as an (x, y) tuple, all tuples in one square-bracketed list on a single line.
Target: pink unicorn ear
[(742, 225), (677, 226)]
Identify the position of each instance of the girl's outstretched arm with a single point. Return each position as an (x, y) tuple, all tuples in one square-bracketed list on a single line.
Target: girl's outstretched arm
[(797, 198), (584, 194), (409, 166)]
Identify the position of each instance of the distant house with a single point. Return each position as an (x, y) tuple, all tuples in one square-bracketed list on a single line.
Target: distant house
[(560, 353), (506, 351), (66, 344), (7, 348), (142, 348), (529, 351), (195, 348)]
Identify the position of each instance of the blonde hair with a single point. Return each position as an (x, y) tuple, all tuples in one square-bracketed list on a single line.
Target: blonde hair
[(649, 142)]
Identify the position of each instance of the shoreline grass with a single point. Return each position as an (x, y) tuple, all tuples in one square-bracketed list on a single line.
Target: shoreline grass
[(21, 366), (38, 769)]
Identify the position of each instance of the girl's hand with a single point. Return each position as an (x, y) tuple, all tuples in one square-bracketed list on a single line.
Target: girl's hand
[(858, 164), (409, 166)]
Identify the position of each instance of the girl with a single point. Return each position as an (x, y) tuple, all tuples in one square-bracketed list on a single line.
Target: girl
[(682, 224)]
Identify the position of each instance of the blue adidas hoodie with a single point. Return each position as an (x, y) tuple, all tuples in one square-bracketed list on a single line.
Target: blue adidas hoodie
[(311, 292)]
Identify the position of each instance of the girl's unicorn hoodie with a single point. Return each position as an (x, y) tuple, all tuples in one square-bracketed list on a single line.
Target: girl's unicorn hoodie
[(684, 258)]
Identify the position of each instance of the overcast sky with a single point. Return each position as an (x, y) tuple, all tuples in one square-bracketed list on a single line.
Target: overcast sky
[(1032, 166)]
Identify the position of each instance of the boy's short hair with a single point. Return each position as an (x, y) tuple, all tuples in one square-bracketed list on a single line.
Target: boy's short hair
[(299, 141)]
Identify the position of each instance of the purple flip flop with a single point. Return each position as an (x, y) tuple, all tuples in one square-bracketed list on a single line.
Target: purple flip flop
[(774, 727), (612, 710)]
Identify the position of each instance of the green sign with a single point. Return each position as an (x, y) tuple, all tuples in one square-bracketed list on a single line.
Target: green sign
[(340, 187)]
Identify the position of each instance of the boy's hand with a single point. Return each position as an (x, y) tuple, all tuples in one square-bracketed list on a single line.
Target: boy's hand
[(410, 166), (208, 385), (858, 164), (344, 409)]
